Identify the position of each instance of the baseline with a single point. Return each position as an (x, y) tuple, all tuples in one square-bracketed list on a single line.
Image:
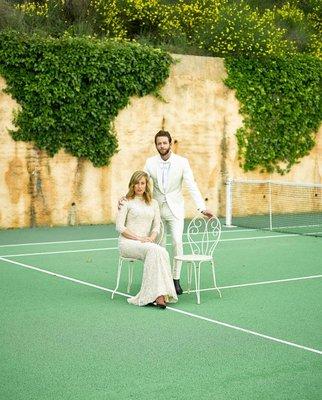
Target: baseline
[(116, 248), (108, 239)]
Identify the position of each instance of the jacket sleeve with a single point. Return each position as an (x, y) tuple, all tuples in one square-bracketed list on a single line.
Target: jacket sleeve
[(191, 184), (121, 217)]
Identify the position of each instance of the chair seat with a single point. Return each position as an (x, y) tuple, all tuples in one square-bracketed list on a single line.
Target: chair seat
[(129, 259), (193, 257)]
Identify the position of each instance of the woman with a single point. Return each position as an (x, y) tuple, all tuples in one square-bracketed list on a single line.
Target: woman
[(138, 222)]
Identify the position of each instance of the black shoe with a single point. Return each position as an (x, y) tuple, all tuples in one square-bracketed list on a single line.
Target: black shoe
[(177, 286), (151, 305), (162, 306)]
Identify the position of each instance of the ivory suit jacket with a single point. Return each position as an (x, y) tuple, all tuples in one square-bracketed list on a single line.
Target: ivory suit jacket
[(179, 173)]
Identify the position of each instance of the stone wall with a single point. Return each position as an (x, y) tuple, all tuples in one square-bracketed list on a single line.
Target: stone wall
[(200, 113)]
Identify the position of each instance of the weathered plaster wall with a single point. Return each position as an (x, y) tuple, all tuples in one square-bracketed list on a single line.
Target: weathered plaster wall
[(199, 111)]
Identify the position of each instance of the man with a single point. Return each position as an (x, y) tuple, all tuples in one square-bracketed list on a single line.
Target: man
[(168, 171)]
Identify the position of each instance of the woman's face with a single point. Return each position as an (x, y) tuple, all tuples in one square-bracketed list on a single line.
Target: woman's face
[(139, 187)]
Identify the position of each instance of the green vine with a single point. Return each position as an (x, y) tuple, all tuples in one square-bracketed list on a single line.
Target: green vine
[(71, 89), (281, 106)]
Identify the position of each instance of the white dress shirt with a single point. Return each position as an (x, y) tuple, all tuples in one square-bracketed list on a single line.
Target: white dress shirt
[(165, 165)]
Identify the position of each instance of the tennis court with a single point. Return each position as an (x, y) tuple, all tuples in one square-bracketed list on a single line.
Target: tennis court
[(62, 337)]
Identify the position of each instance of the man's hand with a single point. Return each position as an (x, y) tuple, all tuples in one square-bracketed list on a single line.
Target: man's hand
[(207, 213), (121, 202)]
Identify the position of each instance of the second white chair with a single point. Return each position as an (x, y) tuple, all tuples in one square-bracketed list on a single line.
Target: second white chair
[(203, 237)]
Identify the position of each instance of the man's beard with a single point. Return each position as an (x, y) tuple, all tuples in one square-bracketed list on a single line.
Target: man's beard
[(166, 153)]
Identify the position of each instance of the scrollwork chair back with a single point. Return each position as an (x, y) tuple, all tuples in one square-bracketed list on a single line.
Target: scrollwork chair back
[(203, 235)]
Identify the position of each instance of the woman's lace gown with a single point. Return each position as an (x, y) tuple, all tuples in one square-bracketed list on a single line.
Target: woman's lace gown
[(142, 219)]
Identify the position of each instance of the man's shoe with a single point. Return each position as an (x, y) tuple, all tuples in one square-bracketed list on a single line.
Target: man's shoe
[(177, 286)]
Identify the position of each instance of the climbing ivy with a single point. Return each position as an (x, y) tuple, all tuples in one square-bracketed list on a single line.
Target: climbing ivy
[(281, 107), (71, 89)]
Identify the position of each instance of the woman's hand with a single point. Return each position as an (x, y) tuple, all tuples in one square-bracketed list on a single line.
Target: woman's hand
[(146, 239)]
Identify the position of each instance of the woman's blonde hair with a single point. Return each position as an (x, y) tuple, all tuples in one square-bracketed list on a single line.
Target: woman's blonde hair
[(137, 175)]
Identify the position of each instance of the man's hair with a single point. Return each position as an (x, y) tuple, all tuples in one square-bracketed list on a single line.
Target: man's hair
[(161, 134)]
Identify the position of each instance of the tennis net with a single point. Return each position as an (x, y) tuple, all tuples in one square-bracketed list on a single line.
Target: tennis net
[(276, 206)]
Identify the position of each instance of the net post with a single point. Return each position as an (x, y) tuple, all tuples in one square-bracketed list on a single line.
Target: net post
[(228, 202), (270, 205)]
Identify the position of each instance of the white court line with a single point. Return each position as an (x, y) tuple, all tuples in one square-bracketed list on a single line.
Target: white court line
[(68, 278), (101, 239), (58, 242), (116, 248), (235, 327), (59, 252), (260, 283)]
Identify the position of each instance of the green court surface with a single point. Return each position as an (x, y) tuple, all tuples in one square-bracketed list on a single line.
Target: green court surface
[(62, 337)]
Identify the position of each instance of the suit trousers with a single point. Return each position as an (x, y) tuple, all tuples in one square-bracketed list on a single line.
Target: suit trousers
[(174, 226)]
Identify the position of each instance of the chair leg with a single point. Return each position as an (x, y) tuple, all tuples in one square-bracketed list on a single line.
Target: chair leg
[(189, 276), (130, 280), (119, 270), (214, 277), (197, 281)]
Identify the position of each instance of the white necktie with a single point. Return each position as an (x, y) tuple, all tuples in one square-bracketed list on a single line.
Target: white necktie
[(165, 168)]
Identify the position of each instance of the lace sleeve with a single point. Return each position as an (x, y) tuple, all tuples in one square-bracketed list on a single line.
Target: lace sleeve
[(121, 217), (157, 218)]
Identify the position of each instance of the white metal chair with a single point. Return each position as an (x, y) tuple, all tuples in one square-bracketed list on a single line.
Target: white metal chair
[(131, 262), (203, 236)]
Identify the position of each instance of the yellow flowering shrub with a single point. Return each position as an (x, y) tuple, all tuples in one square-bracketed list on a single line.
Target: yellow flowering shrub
[(216, 27), (105, 17), (99, 17), (304, 29), (33, 9), (240, 30), (148, 17)]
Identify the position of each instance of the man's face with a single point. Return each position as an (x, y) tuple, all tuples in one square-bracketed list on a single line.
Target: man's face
[(163, 146)]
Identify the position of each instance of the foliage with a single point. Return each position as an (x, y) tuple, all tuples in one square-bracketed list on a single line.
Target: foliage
[(71, 89), (302, 29), (236, 29), (215, 27), (9, 16), (277, 88), (105, 18), (225, 27), (218, 27), (281, 104)]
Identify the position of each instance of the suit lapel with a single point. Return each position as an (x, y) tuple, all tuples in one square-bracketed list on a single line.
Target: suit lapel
[(159, 176), (170, 174), (171, 171)]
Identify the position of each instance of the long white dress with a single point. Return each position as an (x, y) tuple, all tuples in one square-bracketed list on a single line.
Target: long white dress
[(142, 219)]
